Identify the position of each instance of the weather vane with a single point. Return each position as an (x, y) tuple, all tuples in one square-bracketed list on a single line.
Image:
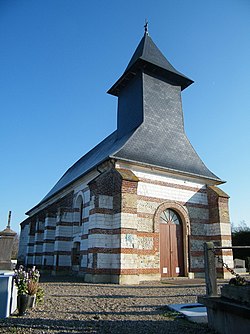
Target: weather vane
[(146, 26)]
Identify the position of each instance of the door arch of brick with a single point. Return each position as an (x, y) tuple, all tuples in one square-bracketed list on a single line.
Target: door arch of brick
[(185, 222)]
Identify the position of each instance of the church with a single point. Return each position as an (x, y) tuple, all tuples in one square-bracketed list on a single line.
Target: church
[(140, 205)]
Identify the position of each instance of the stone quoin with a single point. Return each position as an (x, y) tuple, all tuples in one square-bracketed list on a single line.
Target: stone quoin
[(140, 205)]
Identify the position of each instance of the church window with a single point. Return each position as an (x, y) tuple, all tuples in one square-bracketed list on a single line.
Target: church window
[(170, 217), (32, 228), (76, 254), (81, 212)]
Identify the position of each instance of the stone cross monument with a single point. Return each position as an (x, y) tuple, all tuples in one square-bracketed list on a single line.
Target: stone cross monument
[(7, 237)]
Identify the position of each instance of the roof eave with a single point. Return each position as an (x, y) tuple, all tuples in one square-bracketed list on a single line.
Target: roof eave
[(141, 64), (215, 181), (47, 199)]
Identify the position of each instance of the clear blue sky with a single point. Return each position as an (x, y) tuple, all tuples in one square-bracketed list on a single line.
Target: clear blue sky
[(59, 57)]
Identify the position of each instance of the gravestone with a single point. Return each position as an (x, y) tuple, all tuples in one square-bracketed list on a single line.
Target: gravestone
[(8, 290), (7, 237), (229, 313), (239, 266)]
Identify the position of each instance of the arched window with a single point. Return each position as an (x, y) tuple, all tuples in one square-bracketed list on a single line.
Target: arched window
[(169, 216), (79, 206), (76, 254), (81, 212)]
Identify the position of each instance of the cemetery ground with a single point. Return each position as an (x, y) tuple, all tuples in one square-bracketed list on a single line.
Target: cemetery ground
[(71, 306)]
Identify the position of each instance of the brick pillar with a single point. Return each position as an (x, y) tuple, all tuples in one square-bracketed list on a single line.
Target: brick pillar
[(112, 231), (220, 227), (130, 266), (38, 242), (30, 245), (49, 241), (102, 237), (28, 260), (23, 242), (63, 239)]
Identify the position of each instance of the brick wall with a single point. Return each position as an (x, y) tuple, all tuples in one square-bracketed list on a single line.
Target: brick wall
[(220, 227), (119, 228)]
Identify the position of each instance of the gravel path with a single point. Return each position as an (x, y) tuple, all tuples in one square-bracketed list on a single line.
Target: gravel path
[(71, 306)]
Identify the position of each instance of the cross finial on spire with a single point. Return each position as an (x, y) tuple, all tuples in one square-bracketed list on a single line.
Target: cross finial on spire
[(146, 27)]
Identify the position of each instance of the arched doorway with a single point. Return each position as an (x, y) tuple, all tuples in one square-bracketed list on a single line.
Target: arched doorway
[(171, 244)]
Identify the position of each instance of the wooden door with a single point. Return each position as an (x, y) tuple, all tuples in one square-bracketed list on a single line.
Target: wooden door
[(171, 245)]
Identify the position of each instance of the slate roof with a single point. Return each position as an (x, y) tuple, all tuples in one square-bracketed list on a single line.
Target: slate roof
[(138, 146), (147, 55), (172, 151), (143, 144), (97, 155)]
